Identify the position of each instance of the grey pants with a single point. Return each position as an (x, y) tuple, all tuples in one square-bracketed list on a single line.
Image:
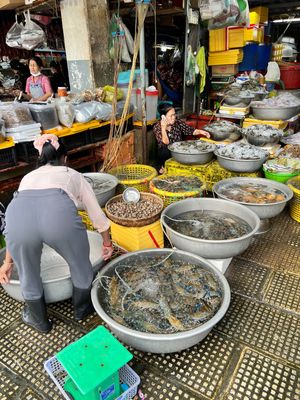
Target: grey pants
[(46, 216)]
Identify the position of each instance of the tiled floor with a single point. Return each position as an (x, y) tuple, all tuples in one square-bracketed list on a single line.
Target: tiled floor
[(252, 354)]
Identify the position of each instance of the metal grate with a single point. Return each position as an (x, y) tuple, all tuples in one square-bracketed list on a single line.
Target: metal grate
[(274, 255), (155, 387), (263, 327), (246, 277), (261, 378), (10, 309), (284, 291), (8, 387), (24, 350), (280, 226), (200, 368)]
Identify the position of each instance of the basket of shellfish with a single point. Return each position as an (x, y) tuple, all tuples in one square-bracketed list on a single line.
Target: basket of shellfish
[(174, 188), (134, 214)]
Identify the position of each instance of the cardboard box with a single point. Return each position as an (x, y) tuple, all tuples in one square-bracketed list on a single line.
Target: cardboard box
[(224, 70), (11, 4)]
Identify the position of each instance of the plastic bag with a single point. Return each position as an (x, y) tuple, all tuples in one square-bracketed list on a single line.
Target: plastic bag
[(109, 92), (103, 111), (129, 39), (192, 68), (212, 9), (85, 112), (229, 17), (273, 72), (31, 34), (66, 113), (244, 19), (13, 36)]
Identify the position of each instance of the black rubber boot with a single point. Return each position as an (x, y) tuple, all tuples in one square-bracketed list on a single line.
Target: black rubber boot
[(82, 303), (35, 315)]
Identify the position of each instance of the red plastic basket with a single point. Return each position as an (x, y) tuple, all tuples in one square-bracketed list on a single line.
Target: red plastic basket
[(290, 75)]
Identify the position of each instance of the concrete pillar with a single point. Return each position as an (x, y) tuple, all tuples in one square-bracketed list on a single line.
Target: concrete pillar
[(85, 26)]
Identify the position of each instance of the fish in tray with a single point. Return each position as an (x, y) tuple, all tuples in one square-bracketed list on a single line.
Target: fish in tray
[(161, 294)]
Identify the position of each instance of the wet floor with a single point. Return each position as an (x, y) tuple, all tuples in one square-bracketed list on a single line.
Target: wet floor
[(252, 354)]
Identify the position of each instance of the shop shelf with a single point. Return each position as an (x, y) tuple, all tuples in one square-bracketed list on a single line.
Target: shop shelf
[(26, 152), (8, 155)]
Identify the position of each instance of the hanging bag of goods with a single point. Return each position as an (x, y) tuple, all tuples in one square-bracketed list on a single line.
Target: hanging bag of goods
[(31, 34), (13, 36)]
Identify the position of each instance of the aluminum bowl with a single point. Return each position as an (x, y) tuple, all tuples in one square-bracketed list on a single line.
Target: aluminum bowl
[(106, 194), (55, 272), (240, 165), (211, 249), (202, 157), (274, 113), (262, 140), (263, 211), (160, 343)]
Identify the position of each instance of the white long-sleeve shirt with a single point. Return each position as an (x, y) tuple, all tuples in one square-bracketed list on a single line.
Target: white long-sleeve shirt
[(74, 184)]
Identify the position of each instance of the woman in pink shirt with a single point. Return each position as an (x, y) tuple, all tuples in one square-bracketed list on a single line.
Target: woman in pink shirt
[(38, 86), (44, 210)]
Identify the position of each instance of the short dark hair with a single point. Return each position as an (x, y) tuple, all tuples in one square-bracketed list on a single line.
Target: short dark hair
[(163, 108), (50, 155), (38, 61)]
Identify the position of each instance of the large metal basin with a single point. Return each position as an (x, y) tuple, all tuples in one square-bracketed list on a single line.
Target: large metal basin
[(100, 177), (55, 272), (160, 343), (191, 159), (211, 249), (240, 165), (263, 211), (274, 113)]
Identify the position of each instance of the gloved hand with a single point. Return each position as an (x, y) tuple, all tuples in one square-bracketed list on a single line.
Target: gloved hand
[(5, 271), (107, 251)]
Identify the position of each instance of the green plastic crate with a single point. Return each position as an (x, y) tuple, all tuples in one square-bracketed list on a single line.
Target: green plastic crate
[(92, 364)]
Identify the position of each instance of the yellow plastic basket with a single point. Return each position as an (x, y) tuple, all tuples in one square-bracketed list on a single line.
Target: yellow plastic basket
[(138, 238), (134, 175), (171, 197), (295, 202)]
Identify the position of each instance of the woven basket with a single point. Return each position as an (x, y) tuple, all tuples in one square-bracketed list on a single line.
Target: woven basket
[(134, 175), (132, 222), (295, 202), (171, 197)]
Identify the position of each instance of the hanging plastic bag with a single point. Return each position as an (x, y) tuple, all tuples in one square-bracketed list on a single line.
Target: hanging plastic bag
[(31, 34), (228, 18), (113, 36), (125, 56), (13, 36), (212, 9), (192, 68), (128, 38)]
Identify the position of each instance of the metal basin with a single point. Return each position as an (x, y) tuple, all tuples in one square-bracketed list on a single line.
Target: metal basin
[(55, 272), (160, 343), (105, 194), (263, 211), (211, 249), (240, 165), (190, 159), (274, 113)]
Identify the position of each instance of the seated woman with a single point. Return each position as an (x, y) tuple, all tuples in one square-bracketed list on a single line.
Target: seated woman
[(169, 130)]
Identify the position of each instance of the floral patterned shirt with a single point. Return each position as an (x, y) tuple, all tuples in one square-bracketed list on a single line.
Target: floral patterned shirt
[(175, 134)]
